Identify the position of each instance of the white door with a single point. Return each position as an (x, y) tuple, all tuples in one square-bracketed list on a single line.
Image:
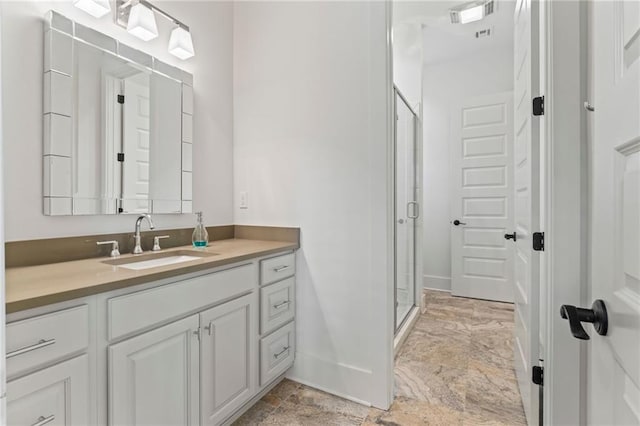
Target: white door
[(526, 205), (614, 268), (57, 395), (154, 377), (228, 356), (482, 208), (135, 145)]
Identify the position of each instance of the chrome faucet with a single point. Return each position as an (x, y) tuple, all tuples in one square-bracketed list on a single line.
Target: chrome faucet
[(138, 249)]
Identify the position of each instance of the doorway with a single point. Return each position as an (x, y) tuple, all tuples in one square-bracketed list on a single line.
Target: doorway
[(407, 209)]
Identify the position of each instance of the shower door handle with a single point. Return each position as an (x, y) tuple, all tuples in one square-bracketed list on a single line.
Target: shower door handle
[(416, 209)]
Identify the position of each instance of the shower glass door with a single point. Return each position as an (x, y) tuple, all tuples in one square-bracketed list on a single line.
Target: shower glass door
[(406, 210)]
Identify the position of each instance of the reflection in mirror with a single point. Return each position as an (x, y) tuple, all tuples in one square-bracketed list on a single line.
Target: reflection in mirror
[(126, 132)]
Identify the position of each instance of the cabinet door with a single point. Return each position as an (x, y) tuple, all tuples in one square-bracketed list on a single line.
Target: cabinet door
[(58, 395), (229, 358), (153, 378)]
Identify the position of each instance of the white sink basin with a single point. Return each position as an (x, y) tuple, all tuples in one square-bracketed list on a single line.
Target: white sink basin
[(154, 263), (156, 260)]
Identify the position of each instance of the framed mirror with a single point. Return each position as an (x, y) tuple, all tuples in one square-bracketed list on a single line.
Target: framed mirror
[(117, 126)]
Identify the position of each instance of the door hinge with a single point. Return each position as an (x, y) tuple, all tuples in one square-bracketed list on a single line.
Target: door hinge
[(537, 373), (120, 210), (538, 106), (121, 157), (538, 241), (120, 99)]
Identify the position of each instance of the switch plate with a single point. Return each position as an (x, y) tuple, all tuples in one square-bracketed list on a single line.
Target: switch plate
[(244, 200)]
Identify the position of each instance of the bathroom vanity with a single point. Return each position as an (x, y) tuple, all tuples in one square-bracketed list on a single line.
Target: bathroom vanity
[(198, 342)]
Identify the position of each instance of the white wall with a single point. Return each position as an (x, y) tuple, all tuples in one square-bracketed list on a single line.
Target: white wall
[(445, 87), (211, 24), (310, 138), (407, 60)]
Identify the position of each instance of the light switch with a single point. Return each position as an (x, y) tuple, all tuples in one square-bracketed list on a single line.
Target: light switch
[(244, 200)]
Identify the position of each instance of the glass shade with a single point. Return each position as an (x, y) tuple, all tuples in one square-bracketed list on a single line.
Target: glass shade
[(95, 8), (180, 43), (142, 22)]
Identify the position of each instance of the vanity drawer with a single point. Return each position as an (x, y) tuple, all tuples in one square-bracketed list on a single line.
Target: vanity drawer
[(277, 304), (143, 309), (277, 268), (277, 352), (39, 340)]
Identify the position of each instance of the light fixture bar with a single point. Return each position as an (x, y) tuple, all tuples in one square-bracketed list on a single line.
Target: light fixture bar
[(123, 7)]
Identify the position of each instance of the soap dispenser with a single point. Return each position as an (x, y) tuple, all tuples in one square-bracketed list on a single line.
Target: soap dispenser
[(200, 237)]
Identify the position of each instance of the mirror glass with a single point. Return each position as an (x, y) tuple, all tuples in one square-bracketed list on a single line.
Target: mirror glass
[(128, 151)]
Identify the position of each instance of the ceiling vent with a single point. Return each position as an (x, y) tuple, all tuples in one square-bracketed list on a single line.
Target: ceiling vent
[(472, 11), (484, 33)]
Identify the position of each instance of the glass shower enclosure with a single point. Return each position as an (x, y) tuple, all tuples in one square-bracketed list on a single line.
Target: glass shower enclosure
[(407, 209)]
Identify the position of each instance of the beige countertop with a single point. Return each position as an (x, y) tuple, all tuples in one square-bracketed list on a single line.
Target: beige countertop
[(33, 286)]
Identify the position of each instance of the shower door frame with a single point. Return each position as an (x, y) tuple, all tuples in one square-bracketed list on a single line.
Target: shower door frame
[(417, 221)]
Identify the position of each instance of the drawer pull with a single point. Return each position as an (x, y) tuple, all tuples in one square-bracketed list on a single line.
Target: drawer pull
[(285, 349), (281, 268), (281, 304), (44, 420), (41, 344)]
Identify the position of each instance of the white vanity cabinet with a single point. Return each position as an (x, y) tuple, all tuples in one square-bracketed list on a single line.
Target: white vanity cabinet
[(154, 377), (227, 358), (197, 349), (48, 368), (57, 395)]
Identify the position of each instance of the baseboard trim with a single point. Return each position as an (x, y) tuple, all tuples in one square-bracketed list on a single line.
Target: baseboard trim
[(342, 380), (434, 282)]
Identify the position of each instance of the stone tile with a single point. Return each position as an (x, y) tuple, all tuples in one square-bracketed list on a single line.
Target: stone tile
[(282, 391), (436, 384), (428, 323), (409, 412), (449, 311), (493, 398), (255, 415), (494, 310), (494, 348), (312, 407), (437, 347)]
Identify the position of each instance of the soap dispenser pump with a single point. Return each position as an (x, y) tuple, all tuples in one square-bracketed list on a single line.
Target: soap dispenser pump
[(200, 237)]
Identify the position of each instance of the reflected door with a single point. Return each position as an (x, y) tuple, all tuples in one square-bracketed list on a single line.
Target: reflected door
[(135, 187), (406, 210)]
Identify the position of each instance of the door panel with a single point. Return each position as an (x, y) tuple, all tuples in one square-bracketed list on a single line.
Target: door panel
[(407, 209), (614, 270), (526, 205), (481, 260), (228, 357), (153, 378)]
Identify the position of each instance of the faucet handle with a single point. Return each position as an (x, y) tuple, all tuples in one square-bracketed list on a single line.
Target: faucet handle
[(115, 247), (156, 242)]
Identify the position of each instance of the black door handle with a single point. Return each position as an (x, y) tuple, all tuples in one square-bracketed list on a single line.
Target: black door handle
[(597, 315), (457, 222), (510, 236)]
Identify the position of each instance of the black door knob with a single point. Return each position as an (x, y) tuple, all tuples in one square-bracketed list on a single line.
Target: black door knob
[(457, 222), (597, 315), (510, 236)]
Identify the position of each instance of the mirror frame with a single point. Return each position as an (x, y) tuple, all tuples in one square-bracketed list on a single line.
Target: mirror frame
[(58, 132)]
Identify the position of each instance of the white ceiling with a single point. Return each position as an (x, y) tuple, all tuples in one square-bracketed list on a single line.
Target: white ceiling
[(443, 41)]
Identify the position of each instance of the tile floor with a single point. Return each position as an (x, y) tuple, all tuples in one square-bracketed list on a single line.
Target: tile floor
[(455, 368)]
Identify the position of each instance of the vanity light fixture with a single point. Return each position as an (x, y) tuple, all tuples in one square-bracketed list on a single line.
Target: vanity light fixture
[(471, 12), (95, 8), (138, 17)]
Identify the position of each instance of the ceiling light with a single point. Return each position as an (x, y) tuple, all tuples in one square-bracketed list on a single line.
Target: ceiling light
[(471, 12), (142, 22), (95, 8), (180, 43)]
